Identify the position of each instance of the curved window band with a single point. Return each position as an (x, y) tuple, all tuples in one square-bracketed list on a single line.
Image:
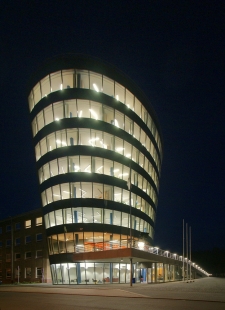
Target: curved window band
[(78, 108), (88, 164), (76, 242), (90, 80), (97, 216), (94, 138), (96, 191)]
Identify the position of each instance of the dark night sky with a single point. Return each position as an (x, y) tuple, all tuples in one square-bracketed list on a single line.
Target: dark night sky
[(174, 50)]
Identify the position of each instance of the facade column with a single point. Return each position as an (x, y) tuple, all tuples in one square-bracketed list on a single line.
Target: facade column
[(156, 272), (165, 276)]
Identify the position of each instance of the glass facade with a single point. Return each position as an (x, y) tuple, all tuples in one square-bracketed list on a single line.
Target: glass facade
[(89, 109), (109, 273), (98, 151), (73, 78), (90, 273)]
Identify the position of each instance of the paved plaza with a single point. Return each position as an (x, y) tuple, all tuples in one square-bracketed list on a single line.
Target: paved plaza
[(207, 293)]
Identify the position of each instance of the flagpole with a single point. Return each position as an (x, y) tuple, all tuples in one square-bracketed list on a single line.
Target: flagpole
[(187, 248), (190, 249), (183, 252)]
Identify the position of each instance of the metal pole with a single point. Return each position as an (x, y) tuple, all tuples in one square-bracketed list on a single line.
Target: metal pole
[(131, 272), (183, 251), (130, 220), (12, 243), (187, 248), (190, 249)]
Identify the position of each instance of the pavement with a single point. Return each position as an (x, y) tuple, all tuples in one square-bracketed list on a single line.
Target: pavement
[(207, 289)]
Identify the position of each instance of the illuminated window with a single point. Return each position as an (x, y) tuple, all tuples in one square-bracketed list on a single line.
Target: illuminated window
[(38, 221), (28, 224)]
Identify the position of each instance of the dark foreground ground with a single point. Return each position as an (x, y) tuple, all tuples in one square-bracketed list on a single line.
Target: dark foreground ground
[(208, 293)]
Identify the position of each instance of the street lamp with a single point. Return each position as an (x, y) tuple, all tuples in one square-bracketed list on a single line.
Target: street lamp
[(167, 252)]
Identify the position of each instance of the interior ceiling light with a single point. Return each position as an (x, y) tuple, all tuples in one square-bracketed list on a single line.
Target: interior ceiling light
[(87, 168), (62, 142), (116, 123), (77, 168), (118, 149), (94, 139), (104, 145), (95, 87), (99, 168), (123, 174), (141, 245), (94, 113), (117, 97)]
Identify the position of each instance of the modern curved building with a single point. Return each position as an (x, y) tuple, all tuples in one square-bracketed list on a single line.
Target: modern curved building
[(98, 151)]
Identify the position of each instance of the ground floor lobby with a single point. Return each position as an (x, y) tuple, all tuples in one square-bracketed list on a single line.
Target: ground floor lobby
[(106, 273), (111, 267)]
